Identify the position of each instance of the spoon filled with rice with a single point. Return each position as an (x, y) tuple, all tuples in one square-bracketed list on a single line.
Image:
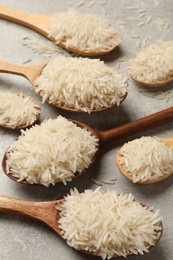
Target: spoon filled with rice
[(106, 224), (18, 111), (153, 66), (83, 34), (146, 160), (74, 84), (59, 150)]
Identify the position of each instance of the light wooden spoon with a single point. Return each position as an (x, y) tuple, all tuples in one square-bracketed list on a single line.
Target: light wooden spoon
[(17, 127), (31, 73), (41, 23), (47, 213), (115, 134), (154, 83), (168, 142)]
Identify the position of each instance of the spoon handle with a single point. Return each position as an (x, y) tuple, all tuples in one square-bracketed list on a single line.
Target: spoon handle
[(6, 67), (36, 22), (29, 72), (163, 117), (43, 211)]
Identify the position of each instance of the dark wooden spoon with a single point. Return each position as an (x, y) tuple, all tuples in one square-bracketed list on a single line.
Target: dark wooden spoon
[(47, 213), (116, 134)]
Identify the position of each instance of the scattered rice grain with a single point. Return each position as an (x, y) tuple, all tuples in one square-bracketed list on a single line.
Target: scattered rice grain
[(27, 61), (141, 24), (95, 181), (91, 4), (104, 2), (80, 3), (42, 46), (149, 19), (141, 15), (107, 181), (144, 10)]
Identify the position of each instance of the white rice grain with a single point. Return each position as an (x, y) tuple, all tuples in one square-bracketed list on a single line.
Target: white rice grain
[(81, 83), (107, 223), (80, 3), (91, 4), (146, 158), (54, 151), (153, 64), (141, 24), (17, 110), (85, 32)]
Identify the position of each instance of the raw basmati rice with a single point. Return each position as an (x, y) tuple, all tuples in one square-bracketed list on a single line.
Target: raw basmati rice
[(107, 223), (80, 3), (54, 151), (153, 64), (41, 46), (95, 181), (85, 32), (17, 111), (163, 96), (81, 83), (91, 4), (146, 158), (109, 181)]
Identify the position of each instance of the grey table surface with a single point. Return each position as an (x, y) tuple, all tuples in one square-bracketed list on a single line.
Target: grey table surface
[(139, 23)]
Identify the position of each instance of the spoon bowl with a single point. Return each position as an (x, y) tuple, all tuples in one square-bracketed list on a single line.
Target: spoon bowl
[(18, 127), (153, 84), (41, 24), (31, 73), (47, 214), (168, 142), (115, 134)]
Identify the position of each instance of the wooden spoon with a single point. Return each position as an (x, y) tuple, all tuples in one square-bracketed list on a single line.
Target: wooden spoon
[(17, 127), (115, 134), (154, 83), (31, 73), (41, 23), (46, 213), (168, 142)]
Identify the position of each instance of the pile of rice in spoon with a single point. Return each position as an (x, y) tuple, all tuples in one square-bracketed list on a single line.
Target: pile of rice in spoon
[(107, 223), (146, 158), (84, 32), (17, 111), (54, 151), (81, 84), (153, 64)]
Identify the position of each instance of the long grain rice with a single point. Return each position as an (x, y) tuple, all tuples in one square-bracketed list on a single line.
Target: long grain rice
[(55, 151), (146, 158), (153, 64), (107, 223), (85, 32), (17, 110), (81, 83)]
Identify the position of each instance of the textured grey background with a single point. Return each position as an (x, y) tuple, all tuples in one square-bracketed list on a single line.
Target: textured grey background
[(22, 238)]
